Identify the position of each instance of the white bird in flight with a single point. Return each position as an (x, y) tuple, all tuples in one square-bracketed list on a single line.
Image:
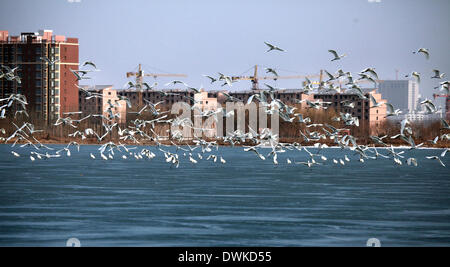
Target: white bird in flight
[(176, 82), (437, 159), (273, 47), (391, 111), (438, 74), (89, 63), (423, 51), (374, 102), (371, 71), (211, 78), (336, 56)]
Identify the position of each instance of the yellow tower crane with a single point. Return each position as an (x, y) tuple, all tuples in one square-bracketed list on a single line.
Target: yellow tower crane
[(140, 79), (255, 78)]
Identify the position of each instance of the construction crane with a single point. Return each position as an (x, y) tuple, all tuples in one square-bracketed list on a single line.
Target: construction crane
[(255, 78), (140, 79)]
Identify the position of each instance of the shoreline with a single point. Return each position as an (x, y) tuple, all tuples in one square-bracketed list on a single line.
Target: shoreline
[(165, 143)]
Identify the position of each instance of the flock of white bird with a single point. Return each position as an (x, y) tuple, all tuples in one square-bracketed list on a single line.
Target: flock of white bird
[(144, 130)]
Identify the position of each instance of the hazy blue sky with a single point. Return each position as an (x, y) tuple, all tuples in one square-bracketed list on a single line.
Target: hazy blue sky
[(206, 36)]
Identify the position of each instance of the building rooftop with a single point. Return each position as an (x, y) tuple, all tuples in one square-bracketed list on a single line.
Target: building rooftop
[(349, 92), (95, 87), (251, 91), (43, 36), (154, 90)]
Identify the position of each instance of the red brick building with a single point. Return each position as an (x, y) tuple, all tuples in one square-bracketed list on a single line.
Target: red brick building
[(50, 89)]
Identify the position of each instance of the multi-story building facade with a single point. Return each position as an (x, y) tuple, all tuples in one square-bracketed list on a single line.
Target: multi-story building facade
[(402, 94), (168, 96), (100, 105), (50, 89), (206, 101), (421, 116), (371, 118), (287, 96)]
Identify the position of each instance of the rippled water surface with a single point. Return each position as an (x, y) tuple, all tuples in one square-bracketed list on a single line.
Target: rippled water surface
[(245, 202)]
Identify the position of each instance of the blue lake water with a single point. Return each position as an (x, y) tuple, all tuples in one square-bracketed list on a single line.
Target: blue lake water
[(245, 202)]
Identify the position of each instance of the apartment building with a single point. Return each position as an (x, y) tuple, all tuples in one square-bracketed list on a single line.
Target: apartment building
[(50, 89), (287, 96), (169, 97), (100, 105), (371, 118), (206, 101), (402, 94)]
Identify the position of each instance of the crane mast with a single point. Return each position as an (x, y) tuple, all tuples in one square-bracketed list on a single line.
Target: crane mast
[(140, 74), (255, 78)]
